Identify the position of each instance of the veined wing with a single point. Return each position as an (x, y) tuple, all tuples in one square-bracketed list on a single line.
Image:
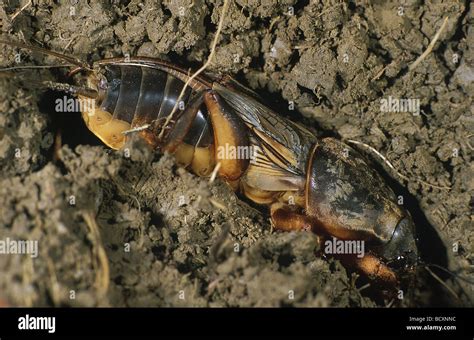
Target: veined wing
[(285, 143)]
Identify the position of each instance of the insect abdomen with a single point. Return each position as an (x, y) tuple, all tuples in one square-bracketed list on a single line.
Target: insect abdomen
[(135, 96)]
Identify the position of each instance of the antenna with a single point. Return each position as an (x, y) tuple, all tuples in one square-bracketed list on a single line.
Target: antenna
[(41, 50)]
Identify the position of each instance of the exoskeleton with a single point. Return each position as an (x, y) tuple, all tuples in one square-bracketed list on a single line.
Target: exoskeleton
[(310, 184)]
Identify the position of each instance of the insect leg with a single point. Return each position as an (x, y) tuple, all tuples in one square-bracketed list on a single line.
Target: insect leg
[(285, 219), (183, 124), (199, 158), (372, 267), (229, 132)]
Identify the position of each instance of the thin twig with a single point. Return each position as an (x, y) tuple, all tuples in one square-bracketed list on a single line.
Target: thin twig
[(367, 285), (379, 74), (208, 62), (136, 129), (14, 15), (214, 172), (103, 272), (54, 284), (430, 46), (381, 156), (68, 44), (217, 204), (469, 143), (437, 278), (387, 162)]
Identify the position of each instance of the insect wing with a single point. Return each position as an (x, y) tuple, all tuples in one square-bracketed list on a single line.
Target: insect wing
[(286, 143)]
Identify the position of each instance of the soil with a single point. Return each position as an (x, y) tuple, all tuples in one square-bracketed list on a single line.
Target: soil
[(131, 228)]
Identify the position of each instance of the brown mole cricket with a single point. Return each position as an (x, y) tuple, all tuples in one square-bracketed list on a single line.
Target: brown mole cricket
[(309, 184)]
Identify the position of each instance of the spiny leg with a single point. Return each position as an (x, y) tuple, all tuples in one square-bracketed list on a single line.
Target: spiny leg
[(287, 220)]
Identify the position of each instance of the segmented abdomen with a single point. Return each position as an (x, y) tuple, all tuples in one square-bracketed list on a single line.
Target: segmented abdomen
[(134, 96), (139, 95)]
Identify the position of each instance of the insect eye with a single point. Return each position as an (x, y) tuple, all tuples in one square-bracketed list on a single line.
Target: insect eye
[(103, 84)]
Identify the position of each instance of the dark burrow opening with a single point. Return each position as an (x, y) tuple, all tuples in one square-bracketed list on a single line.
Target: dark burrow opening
[(70, 125)]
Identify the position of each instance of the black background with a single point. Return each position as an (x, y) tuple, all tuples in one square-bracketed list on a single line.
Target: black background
[(198, 322)]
